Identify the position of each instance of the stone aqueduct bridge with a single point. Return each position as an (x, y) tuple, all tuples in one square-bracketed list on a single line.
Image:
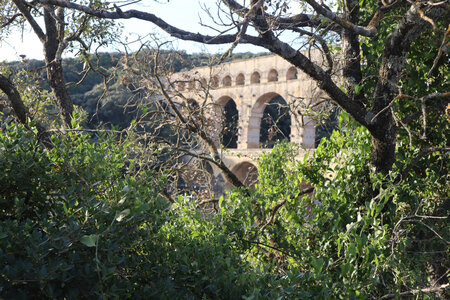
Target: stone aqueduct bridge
[(251, 84)]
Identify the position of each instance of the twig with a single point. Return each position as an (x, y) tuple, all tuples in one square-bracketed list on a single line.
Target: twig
[(417, 291), (440, 51), (419, 156), (277, 207)]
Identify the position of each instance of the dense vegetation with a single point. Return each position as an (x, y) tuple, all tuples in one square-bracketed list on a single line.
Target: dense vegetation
[(86, 219), (79, 221)]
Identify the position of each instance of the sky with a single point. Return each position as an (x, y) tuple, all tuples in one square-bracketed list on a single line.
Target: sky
[(181, 13)]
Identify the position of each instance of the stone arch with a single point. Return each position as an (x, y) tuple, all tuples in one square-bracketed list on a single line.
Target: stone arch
[(215, 82), (226, 81), (325, 128), (273, 75), (246, 172), (255, 78), (203, 83), (180, 86), (292, 73), (240, 79), (191, 85), (275, 123), (230, 122), (269, 121)]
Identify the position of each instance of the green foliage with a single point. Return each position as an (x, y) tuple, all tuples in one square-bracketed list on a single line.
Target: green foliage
[(416, 80), (359, 235), (52, 200), (78, 221), (38, 100)]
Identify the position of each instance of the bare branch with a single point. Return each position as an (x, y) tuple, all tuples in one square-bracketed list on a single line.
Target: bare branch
[(296, 21), (19, 108), (370, 31), (10, 20), (216, 158), (376, 17), (243, 30), (274, 210), (26, 13), (444, 44), (442, 97), (418, 291), (323, 44), (172, 30)]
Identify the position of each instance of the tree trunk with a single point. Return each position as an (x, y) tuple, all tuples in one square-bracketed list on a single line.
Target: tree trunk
[(56, 82), (383, 148), (351, 70), (53, 47)]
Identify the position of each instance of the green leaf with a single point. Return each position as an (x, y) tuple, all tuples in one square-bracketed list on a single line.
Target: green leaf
[(351, 250), (318, 264), (144, 207), (357, 88), (120, 216), (89, 240), (339, 244), (346, 268), (305, 158)]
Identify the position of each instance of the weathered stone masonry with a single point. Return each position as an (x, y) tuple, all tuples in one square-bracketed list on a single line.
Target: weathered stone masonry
[(251, 84)]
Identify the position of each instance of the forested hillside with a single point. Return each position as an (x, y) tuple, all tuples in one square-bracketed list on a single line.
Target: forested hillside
[(103, 91)]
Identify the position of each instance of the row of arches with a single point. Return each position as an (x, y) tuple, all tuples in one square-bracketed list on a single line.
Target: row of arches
[(272, 117), (255, 77), (240, 80)]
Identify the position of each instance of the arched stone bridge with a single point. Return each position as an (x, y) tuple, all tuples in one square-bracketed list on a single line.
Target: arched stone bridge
[(244, 89)]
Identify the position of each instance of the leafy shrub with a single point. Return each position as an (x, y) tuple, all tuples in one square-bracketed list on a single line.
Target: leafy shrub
[(75, 222), (85, 220), (358, 235)]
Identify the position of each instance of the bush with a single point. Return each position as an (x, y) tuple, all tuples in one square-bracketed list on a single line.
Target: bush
[(76, 223), (359, 235), (85, 220)]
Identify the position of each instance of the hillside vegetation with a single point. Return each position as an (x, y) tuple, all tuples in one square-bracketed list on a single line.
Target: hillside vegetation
[(103, 92)]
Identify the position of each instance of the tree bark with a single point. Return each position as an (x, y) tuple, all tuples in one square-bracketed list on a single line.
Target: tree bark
[(20, 110), (14, 98), (56, 82), (54, 40), (54, 44)]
